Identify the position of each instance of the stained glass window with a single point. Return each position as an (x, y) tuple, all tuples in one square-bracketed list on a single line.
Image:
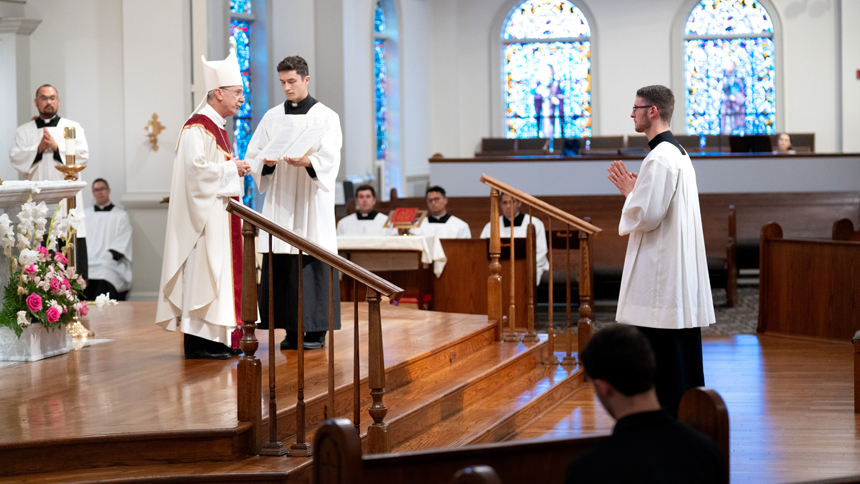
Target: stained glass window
[(547, 70), (240, 45), (240, 6), (380, 71), (729, 68)]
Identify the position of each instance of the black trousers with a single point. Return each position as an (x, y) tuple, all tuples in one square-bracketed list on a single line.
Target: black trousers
[(315, 281), (96, 287), (679, 363)]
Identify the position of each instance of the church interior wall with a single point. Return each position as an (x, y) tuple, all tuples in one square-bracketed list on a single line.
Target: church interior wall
[(850, 18)]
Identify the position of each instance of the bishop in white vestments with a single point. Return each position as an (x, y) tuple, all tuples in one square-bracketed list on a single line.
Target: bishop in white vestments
[(109, 246), (202, 251), (665, 289), (300, 197)]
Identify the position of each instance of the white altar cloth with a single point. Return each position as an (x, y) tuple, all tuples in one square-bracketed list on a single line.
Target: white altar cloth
[(429, 246)]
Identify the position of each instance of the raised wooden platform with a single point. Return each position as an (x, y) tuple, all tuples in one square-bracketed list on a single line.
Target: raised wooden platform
[(135, 408)]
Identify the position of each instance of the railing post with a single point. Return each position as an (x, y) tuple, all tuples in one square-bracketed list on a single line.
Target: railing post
[(300, 448), (330, 411), (494, 282), (511, 335), (249, 371), (273, 447), (568, 357), (584, 326), (550, 359), (377, 433), (731, 260), (356, 368), (530, 336)]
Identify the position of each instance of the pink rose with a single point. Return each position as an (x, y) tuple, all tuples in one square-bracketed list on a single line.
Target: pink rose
[(83, 309), (60, 258), (43, 251), (34, 302), (30, 269), (66, 283), (53, 314), (55, 284)]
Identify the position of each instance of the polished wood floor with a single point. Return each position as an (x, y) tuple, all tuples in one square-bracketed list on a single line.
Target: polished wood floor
[(140, 382), (790, 402)]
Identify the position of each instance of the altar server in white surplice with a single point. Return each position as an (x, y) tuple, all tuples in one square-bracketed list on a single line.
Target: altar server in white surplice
[(439, 222), (300, 195), (665, 289), (202, 248), (366, 221), (521, 226), (109, 246)]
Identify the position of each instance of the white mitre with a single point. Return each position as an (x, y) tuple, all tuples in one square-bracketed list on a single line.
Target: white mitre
[(218, 74)]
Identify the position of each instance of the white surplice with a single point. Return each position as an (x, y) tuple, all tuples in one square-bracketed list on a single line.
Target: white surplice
[(196, 290), (294, 199), (665, 280), (520, 233), (453, 228), (107, 231), (23, 154), (351, 225)]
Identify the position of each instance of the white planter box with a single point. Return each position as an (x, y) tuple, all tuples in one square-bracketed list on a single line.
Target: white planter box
[(35, 343)]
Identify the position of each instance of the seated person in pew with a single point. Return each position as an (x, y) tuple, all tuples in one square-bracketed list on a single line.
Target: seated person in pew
[(511, 209), (365, 221), (783, 145), (439, 222), (647, 444)]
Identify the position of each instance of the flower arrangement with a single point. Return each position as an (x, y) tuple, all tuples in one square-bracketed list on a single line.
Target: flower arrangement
[(43, 288)]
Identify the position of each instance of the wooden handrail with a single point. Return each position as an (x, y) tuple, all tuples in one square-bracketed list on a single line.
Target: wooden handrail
[(346, 267), (540, 205)]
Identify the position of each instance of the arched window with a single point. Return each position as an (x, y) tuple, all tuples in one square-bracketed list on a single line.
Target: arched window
[(386, 105), (729, 68), (241, 21), (546, 68)]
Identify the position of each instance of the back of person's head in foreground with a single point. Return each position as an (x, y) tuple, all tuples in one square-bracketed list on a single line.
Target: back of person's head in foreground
[(622, 367)]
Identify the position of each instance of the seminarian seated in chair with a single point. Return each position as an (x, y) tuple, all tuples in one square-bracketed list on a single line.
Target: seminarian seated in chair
[(647, 444), (521, 226), (365, 221), (439, 222), (109, 253)]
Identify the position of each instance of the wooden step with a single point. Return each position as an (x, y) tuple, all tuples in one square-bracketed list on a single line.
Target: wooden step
[(578, 415), (500, 411)]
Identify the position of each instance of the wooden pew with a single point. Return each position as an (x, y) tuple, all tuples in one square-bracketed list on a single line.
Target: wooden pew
[(808, 287), (339, 459)]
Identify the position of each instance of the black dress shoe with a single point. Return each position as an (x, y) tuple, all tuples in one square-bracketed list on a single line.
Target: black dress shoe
[(205, 354), (236, 352), (289, 344), (313, 345)]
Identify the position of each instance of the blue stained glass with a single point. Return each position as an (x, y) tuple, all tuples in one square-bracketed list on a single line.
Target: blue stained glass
[(240, 6), (379, 18), (381, 76), (546, 19), (240, 45), (553, 77), (723, 17), (730, 86)]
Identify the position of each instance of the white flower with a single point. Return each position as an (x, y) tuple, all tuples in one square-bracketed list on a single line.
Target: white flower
[(23, 242), (22, 290), (104, 300), (23, 320), (28, 257), (76, 218)]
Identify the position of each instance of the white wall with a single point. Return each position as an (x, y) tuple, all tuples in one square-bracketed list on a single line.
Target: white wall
[(78, 48), (850, 83), (415, 83)]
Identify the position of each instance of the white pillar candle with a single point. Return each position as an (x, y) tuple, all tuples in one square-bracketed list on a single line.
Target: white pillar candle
[(70, 146)]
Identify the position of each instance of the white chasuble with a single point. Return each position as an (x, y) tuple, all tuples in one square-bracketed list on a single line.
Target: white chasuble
[(665, 279), (197, 293), (109, 230), (297, 198), (520, 232)]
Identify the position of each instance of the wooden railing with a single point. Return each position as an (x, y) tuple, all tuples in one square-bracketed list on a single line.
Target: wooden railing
[(494, 283), (250, 370)]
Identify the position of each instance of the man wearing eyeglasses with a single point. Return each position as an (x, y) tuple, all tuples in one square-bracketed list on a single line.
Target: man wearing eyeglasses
[(39, 143), (665, 289), (439, 222), (109, 249), (201, 273)]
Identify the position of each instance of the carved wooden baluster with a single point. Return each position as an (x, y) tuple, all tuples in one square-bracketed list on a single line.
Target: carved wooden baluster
[(377, 433), (550, 345), (586, 281), (330, 411), (356, 368), (273, 446), (301, 448), (531, 335), (250, 370), (731, 260), (511, 336), (494, 282), (568, 357)]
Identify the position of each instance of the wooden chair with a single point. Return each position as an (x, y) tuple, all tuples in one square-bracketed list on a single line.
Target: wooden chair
[(844, 230), (339, 458)]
